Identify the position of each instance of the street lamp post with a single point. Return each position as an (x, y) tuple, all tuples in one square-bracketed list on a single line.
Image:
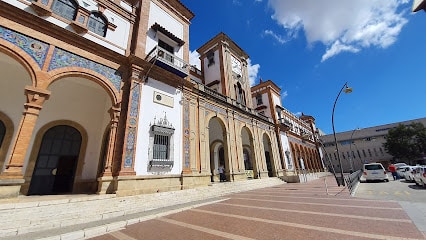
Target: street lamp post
[(351, 161), (345, 89)]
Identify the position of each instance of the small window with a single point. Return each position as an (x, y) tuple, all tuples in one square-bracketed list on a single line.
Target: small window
[(259, 99), (97, 24), (210, 58), (65, 8), (363, 152), (161, 147), (168, 48)]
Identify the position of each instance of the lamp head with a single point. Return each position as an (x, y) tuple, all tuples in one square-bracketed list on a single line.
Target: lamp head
[(347, 89)]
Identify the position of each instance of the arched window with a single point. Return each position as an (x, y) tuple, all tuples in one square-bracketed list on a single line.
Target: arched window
[(65, 8), (97, 24)]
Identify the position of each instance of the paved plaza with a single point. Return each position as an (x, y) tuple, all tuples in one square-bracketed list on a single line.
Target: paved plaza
[(266, 209)]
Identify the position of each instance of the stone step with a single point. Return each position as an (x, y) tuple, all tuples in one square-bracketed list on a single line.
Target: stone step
[(34, 214)]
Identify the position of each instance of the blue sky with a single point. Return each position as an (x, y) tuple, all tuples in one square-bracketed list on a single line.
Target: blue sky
[(311, 48)]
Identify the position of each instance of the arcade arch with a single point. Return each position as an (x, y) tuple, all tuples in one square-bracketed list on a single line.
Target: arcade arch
[(218, 149)]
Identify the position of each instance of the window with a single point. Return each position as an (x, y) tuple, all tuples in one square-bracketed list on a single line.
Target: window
[(359, 154), (381, 151), (259, 99), (210, 58), (161, 146), (369, 153), (97, 24), (65, 8), (168, 48), (363, 152)]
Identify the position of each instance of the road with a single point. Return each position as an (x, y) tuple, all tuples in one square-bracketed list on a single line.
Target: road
[(412, 198)]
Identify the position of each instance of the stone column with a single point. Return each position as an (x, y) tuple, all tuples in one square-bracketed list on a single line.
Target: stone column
[(35, 100), (115, 115)]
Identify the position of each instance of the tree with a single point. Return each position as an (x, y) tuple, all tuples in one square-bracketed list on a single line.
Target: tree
[(406, 142)]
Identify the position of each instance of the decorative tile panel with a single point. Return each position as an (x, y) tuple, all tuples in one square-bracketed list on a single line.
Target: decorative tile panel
[(35, 48), (186, 133), (132, 121), (62, 58)]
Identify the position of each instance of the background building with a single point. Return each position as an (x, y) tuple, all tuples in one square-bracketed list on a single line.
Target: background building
[(360, 146)]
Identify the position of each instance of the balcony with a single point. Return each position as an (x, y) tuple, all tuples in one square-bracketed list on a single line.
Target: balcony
[(168, 61)]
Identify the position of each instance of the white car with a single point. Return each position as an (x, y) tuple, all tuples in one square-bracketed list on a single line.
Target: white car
[(374, 171), (420, 176), (409, 173)]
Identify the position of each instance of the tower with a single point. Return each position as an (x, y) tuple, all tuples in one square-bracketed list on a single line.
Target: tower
[(224, 65)]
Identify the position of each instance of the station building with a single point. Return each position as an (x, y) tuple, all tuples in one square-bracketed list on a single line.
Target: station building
[(99, 97)]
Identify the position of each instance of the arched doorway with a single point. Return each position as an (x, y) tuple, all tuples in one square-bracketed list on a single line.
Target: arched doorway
[(56, 161), (218, 149), (268, 155), (248, 156)]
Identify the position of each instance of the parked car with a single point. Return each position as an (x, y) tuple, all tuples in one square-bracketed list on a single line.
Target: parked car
[(397, 165), (409, 173), (420, 176), (375, 171), (401, 171)]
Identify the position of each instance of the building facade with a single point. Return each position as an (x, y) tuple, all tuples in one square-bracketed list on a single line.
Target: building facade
[(360, 146), (98, 97)]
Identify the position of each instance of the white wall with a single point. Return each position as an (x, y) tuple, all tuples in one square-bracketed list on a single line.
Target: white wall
[(147, 111), (285, 146), (157, 15)]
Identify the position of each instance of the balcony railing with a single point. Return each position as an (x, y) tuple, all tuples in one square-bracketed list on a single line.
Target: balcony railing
[(168, 61), (222, 98)]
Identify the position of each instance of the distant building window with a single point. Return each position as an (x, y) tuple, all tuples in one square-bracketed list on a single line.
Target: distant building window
[(65, 8), (363, 152), (210, 58), (381, 151), (375, 152), (259, 99), (262, 113), (97, 24), (369, 153), (359, 154)]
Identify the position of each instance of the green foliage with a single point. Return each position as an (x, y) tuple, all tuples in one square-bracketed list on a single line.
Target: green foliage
[(406, 143)]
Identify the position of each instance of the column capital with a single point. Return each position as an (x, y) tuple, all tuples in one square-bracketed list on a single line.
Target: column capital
[(35, 99)]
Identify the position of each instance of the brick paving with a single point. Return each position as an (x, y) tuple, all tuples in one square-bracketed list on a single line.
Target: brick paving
[(286, 211)]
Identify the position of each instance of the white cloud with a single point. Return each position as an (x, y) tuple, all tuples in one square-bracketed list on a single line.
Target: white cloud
[(337, 48), (284, 94), (342, 25), (194, 59), (277, 37), (252, 72)]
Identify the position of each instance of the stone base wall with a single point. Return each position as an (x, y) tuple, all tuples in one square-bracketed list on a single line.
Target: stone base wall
[(196, 180), (134, 185)]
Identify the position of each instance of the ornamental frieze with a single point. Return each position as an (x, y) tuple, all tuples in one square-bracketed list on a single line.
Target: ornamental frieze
[(62, 58), (33, 47)]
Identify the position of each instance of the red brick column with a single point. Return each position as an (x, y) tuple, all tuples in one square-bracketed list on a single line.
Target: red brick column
[(35, 100)]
